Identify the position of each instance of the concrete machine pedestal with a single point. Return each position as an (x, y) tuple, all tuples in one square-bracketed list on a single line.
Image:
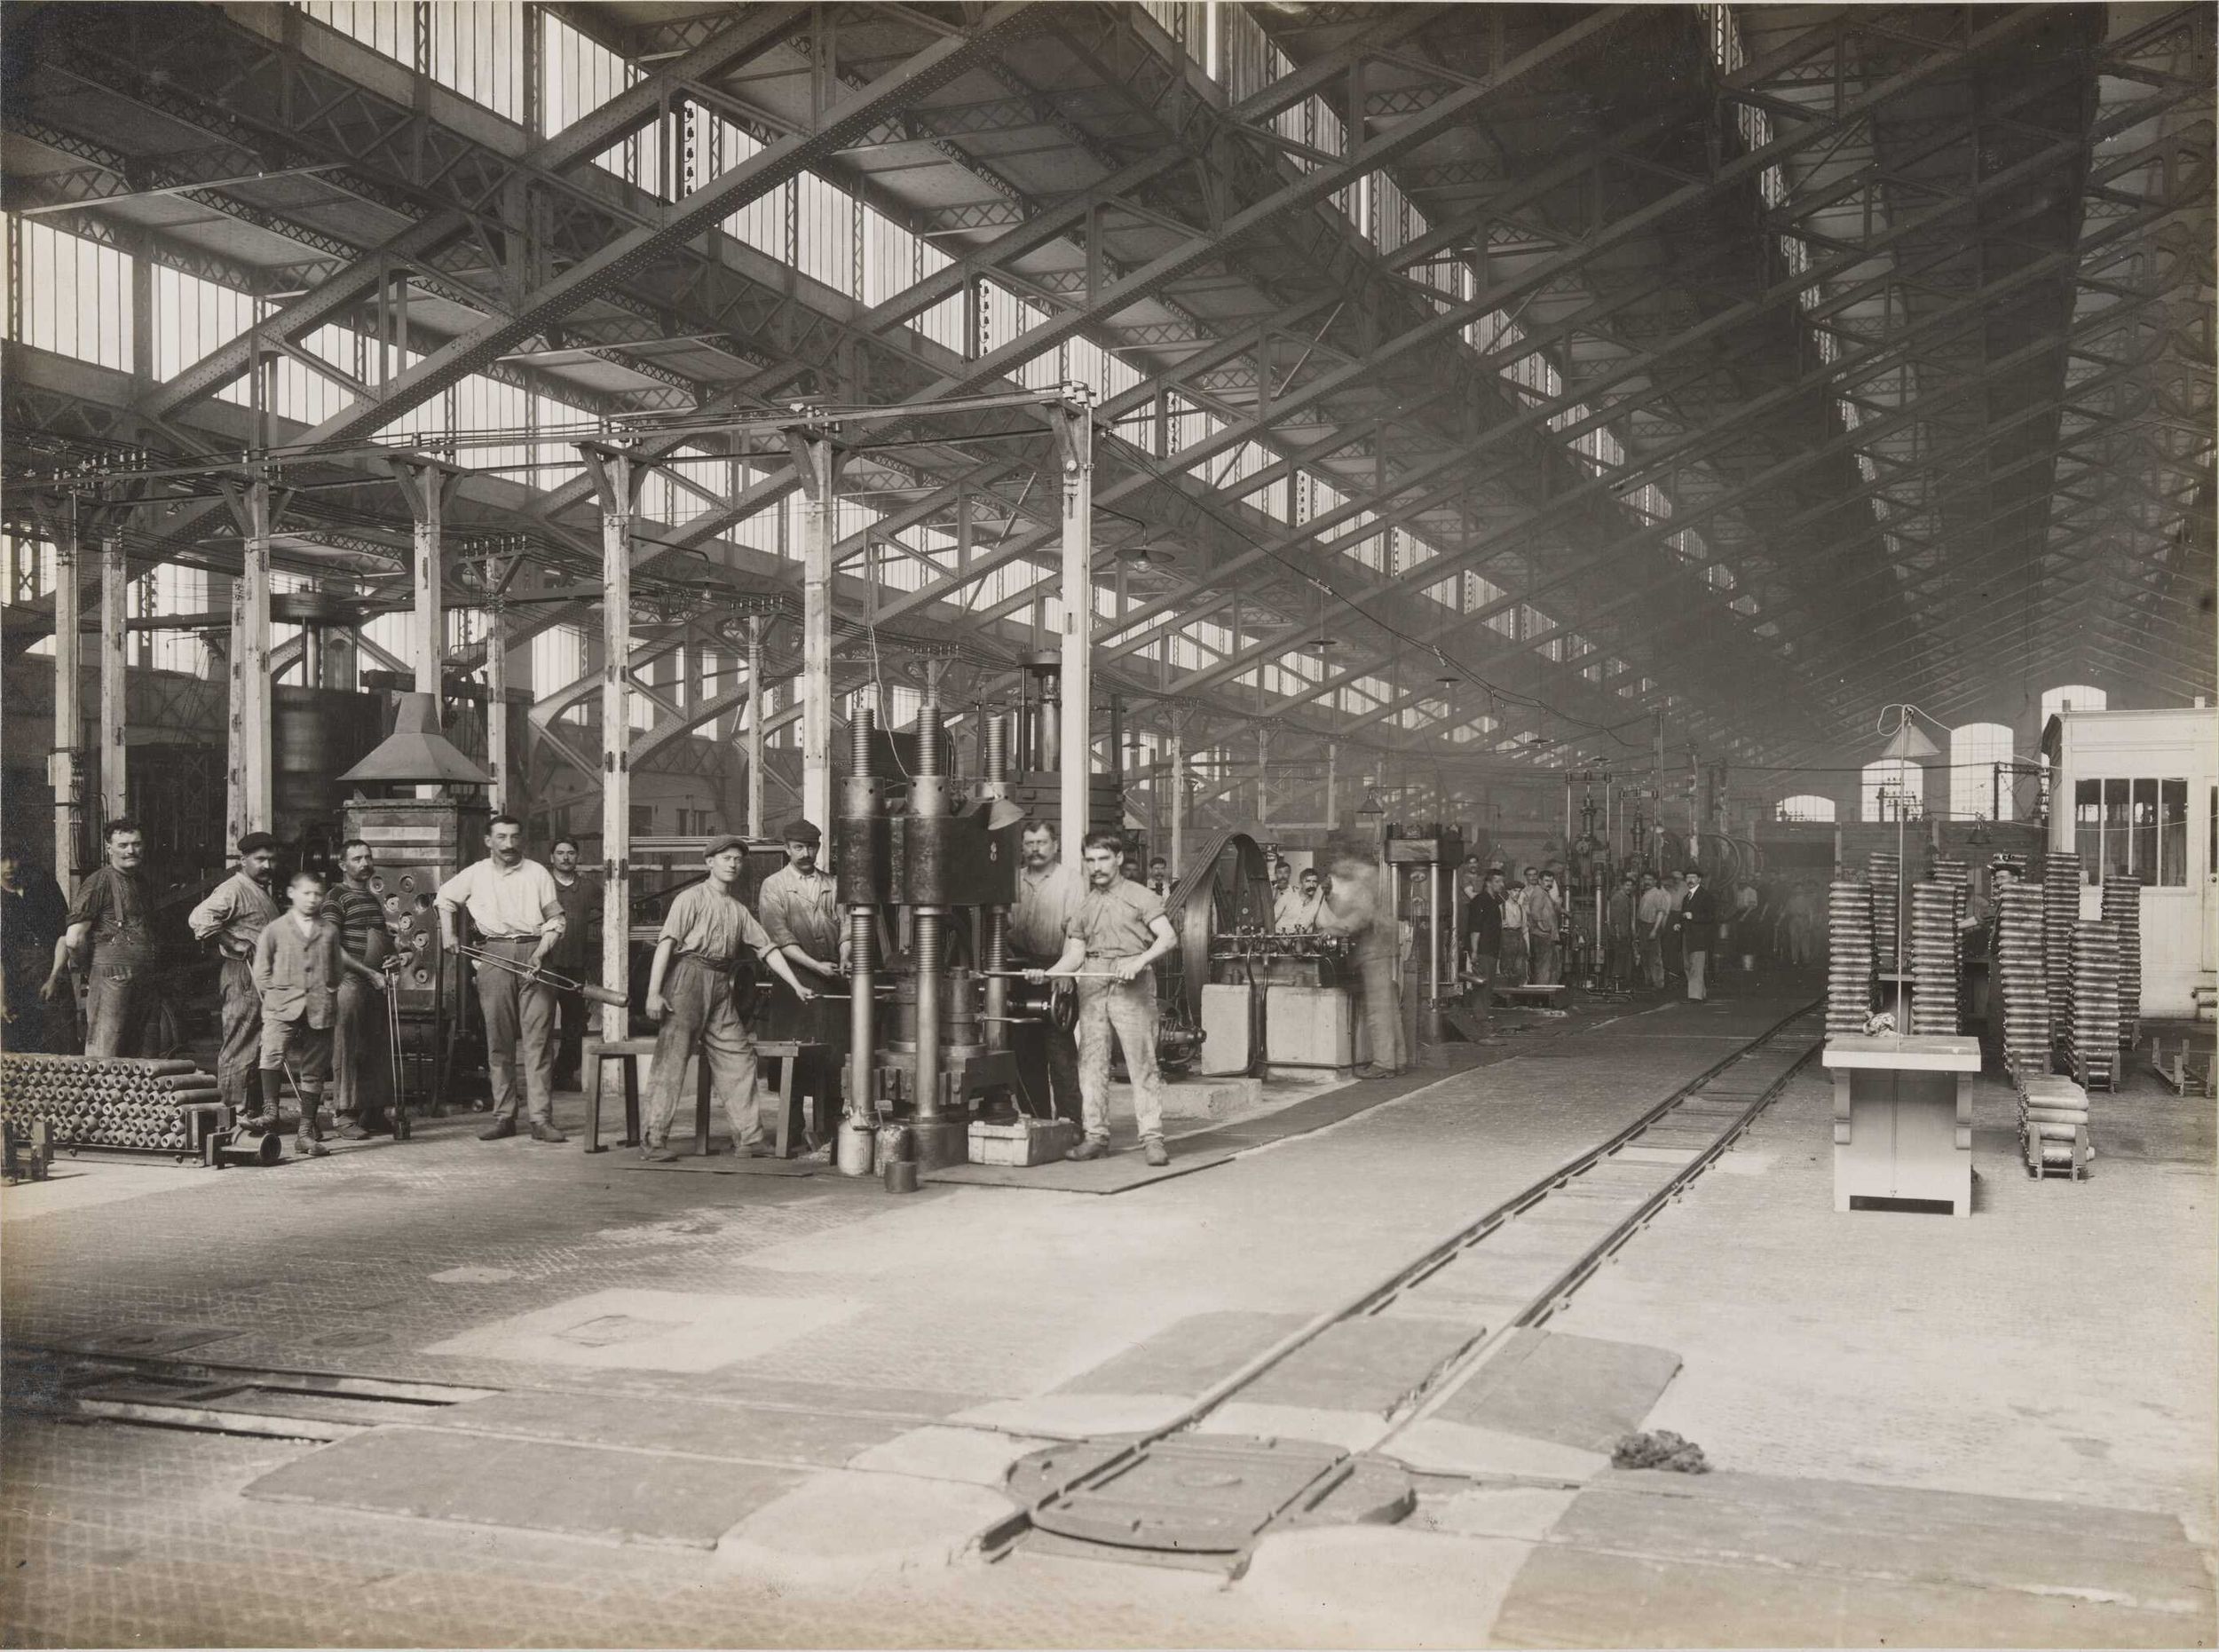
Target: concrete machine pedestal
[(1903, 1122)]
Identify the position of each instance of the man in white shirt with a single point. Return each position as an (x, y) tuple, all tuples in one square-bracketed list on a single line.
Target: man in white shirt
[(517, 912), (236, 910), (1298, 910)]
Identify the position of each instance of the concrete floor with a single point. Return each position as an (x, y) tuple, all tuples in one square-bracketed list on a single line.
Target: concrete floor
[(760, 1409)]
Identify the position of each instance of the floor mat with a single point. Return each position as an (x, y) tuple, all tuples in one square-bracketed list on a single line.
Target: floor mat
[(538, 1485), (1575, 1391), (726, 1164), (1125, 1169), (1733, 1559), (1189, 1356)]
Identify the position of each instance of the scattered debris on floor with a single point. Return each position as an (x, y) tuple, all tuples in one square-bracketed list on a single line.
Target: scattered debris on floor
[(1662, 1449)]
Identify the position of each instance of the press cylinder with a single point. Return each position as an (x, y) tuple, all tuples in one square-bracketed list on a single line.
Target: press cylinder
[(994, 926)]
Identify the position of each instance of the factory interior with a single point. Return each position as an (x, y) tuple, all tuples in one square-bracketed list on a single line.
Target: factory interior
[(1140, 823)]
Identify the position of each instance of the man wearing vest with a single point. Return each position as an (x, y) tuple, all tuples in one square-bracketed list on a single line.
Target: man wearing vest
[(109, 941)]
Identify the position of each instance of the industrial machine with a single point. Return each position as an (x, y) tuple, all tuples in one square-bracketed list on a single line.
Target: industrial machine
[(937, 865), (419, 843)]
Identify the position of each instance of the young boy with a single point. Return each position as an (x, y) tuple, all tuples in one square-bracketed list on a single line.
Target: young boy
[(296, 964)]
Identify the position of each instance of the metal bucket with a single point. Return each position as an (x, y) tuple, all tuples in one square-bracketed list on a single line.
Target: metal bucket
[(854, 1147), (897, 1145), (901, 1175)]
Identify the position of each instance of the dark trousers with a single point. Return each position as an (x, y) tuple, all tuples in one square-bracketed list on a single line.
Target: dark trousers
[(361, 1053), (239, 1058), (573, 1019), (1048, 1063)]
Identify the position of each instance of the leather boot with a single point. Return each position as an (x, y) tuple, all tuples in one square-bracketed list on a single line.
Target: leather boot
[(264, 1116), (308, 1142)]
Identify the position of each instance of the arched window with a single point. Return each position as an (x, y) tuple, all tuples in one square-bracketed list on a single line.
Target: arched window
[(1806, 807), (1973, 751), (2080, 694), (1893, 789)]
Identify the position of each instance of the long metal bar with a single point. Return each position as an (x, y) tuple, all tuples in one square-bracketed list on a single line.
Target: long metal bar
[(66, 766), (617, 478), (1075, 454), (114, 707)]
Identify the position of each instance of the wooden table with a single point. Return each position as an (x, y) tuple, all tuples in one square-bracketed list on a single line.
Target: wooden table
[(1903, 1122)]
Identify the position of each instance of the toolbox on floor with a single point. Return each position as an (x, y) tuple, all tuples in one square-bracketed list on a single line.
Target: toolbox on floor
[(1022, 1141)]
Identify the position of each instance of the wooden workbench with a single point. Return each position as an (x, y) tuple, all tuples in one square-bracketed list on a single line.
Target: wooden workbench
[(1903, 1121)]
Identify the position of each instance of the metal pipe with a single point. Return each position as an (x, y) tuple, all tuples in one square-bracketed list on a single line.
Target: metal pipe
[(862, 1010), (996, 941), (1432, 921), (928, 799)]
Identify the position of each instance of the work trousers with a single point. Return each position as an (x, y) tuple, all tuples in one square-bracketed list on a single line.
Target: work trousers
[(1698, 961), (1547, 954), (1483, 971), (301, 1051), (1652, 960), (235, 1061), (1619, 961), (1515, 957), (1129, 1008), (1382, 1008), (519, 1016), (361, 1051), (702, 1020)]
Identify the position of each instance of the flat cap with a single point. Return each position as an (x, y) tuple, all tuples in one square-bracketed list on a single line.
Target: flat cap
[(256, 840), (724, 840), (800, 831)]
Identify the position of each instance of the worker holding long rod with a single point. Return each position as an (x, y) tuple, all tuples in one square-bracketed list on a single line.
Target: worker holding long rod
[(689, 990), (1120, 929), (513, 903)]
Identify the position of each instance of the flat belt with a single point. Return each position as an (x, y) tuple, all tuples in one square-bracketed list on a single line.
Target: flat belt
[(510, 940)]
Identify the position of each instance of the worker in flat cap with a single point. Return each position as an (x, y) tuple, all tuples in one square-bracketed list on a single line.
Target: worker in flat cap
[(689, 990), (234, 917)]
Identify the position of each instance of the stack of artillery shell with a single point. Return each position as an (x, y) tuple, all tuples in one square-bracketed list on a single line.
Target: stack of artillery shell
[(1933, 943), (2123, 910), (1885, 873), (2091, 1019), (1949, 869), (1848, 959), (2053, 1120), (2060, 911), (105, 1100), (2021, 985)]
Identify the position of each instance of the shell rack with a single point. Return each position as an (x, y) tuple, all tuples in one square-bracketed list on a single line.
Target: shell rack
[(1884, 872), (2022, 981), (2053, 1118), (2089, 1045), (1849, 955), (114, 1103), (1934, 971), (2060, 910), (2123, 910)]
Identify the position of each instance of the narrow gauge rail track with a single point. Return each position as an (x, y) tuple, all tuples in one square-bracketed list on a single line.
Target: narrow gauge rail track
[(1139, 1493)]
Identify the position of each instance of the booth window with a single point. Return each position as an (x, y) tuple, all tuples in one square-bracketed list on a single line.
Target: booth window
[(2138, 827)]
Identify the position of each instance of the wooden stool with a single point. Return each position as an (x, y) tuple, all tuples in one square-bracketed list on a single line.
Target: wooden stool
[(629, 1051), (794, 1055)]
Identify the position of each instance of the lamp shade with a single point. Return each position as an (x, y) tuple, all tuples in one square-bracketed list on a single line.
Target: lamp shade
[(416, 753), (1907, 745)]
